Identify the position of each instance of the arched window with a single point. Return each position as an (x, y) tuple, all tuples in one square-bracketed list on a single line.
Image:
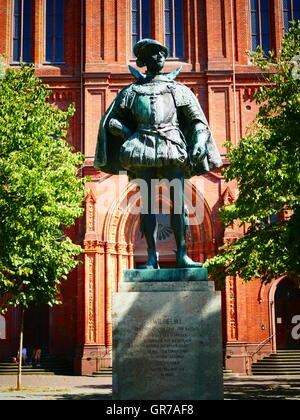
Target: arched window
[(140, 20), (291, 11), (260, 24), (174, 27), (54, 31), (22, 31)]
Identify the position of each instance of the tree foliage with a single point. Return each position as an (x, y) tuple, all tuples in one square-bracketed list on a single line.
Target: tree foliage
[(266, 165), (40, 192)]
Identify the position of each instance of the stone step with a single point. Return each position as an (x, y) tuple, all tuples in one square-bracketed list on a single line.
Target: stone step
[(267, 373), (275, 373), (276, 370), (261, 367), (284, 362), (277, 363), (49, 366), (103, 372), (43, 360), (286, 357), (229, 373), (60, 364), (278, 357), (29, 373), (36, 371)]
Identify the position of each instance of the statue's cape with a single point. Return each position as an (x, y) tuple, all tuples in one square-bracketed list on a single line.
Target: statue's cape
[(108, 145)]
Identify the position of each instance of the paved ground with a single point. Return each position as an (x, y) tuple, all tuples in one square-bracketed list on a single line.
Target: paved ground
[(55, 387), (262, 388), (98, 388)]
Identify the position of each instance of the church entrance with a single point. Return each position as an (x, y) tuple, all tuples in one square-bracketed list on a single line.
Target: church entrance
[(36, 327), (287, 308)]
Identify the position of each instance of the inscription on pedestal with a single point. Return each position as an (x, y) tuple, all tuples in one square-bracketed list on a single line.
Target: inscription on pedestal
[(167, 346), (164, 343)]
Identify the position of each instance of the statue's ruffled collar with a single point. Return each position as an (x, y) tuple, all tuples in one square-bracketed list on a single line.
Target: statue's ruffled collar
[(146, 78)]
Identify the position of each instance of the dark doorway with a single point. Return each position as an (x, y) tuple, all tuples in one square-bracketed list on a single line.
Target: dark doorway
[(287, 306), (36, 327)]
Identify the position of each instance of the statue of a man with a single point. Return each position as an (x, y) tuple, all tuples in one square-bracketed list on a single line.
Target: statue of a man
[(156, 129)]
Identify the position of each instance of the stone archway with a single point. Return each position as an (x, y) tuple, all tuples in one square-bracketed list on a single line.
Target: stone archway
[(287, 306), (284, 304), (122, 228)]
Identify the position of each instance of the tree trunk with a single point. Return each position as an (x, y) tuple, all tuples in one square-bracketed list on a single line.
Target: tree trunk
[(19, 380)]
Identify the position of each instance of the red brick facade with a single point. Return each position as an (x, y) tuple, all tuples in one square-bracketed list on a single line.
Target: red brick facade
[(97, 45)]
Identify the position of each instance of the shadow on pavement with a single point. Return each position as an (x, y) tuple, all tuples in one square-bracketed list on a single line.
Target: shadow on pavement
[(83, 397), (108, 387), (261, 393)]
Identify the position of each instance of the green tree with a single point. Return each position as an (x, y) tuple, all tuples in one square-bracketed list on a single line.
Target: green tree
[(40, 193), (266, 165)]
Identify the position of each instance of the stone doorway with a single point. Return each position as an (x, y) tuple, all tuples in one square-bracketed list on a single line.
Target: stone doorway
[(287, 307), (36, 327)]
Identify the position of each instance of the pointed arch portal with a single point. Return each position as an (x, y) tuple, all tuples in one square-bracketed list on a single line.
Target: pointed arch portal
[(287, 309), (284, 304), (122, 225)]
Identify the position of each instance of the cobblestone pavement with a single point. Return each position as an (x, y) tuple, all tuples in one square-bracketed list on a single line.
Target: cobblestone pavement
[(99, 388)]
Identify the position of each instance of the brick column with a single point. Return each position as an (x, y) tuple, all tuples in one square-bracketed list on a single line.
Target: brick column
[(38, 35), (5, 25)]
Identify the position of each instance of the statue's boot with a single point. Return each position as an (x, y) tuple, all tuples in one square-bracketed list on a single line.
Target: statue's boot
[(152, 262), (184, 261), (179, 226)]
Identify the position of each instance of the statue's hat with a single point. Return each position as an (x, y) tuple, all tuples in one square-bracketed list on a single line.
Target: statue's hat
[(141, 46)]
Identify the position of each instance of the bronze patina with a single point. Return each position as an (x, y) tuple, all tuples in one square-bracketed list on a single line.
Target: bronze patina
[(156, 129)]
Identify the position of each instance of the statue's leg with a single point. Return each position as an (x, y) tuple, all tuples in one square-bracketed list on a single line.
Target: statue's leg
[(148, 219), (178, 219)]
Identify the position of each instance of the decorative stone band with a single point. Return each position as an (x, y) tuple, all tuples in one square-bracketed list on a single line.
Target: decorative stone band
[(94, 245)]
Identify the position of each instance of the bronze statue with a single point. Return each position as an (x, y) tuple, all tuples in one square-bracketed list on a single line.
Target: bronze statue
[(156, 129)]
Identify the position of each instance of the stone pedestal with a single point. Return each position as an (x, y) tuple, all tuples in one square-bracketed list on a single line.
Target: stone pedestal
[(167, 341)]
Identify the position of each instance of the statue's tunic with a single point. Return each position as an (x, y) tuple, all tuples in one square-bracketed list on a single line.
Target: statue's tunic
[(160, 117), (157, 140)]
